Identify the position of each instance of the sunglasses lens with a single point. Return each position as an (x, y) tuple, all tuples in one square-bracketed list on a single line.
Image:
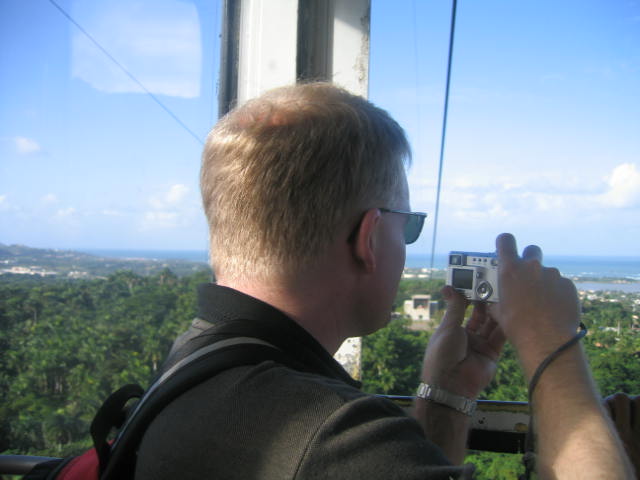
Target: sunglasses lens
[(413, 227)]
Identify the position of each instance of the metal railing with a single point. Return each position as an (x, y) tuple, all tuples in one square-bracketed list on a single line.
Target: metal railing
[(496, 427), (20, 464)]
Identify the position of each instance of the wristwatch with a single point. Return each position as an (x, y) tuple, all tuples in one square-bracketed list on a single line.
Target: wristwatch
[(438, 395)]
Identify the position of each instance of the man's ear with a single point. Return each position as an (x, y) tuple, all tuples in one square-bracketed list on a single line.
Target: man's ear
[(364, 241)]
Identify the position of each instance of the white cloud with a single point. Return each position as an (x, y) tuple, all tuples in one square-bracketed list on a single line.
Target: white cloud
[(66, 212), (108, 212), (539, 188), (176, 193), (49, 199), (623, 187), (160, 220), (26, 146), (158, 41), (171, 198), (169, 209), (513, 199), (549, 202), (168, 217), (4, 205), (566, 201)]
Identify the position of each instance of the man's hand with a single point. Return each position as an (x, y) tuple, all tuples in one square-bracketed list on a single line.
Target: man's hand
[(462, 358), (538, 310)]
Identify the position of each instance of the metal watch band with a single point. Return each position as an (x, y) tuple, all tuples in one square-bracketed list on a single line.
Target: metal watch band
[(438, 395)]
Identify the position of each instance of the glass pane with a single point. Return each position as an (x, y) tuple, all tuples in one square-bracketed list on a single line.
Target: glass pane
[(542, 141), (105, 108), (542, 125)]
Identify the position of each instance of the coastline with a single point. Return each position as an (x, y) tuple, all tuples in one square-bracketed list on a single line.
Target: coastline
[(612, 286), (594, 273), (586, 284), (583, 284)]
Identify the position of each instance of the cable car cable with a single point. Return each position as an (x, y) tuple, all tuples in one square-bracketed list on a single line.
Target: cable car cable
[(444, 131), (416, 62), (213, 116), (129, 74)]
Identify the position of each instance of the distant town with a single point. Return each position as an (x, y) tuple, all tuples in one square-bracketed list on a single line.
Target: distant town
[(19, 261), (22, 260)]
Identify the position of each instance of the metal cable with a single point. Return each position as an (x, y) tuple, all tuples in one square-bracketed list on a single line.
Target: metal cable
[(416, 62), (129, 74), (444, 131)]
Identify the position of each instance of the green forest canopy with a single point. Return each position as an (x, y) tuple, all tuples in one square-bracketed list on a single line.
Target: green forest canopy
[(67, 344)]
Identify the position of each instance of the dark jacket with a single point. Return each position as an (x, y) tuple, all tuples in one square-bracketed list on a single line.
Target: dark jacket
[(301, 419)]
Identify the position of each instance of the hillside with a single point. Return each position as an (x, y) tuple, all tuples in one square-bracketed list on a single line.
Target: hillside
[(19, 260)]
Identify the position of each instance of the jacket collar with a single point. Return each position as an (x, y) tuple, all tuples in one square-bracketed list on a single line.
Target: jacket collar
[(234, 313)]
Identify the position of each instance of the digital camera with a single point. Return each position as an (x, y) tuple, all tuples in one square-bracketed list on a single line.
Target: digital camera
[(474, 274)]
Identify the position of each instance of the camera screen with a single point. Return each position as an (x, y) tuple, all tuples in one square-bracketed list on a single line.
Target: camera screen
[(462, 278)]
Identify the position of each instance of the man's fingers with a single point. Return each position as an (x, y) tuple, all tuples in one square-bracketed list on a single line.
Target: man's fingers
[(497, 339), (506, 247), (532, 252), (487, 327), (456, 306), (478, 317)]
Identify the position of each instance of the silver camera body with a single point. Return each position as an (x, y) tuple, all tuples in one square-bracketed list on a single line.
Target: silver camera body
[(474, 274)]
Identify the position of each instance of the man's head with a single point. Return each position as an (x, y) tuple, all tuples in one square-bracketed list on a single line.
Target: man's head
[(285, 173)]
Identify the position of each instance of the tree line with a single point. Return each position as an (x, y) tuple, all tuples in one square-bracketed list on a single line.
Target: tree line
[(66, 345)]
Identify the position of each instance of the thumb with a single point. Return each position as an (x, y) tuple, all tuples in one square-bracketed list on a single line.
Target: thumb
[(456, 307)]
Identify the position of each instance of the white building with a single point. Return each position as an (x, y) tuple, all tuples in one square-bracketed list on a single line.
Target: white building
[(418, 308)]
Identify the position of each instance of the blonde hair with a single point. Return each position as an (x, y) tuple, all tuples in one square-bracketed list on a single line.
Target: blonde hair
[(284, 172)]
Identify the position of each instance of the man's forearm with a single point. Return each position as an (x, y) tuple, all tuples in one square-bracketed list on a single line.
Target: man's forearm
[(445, 427), (574, 436)]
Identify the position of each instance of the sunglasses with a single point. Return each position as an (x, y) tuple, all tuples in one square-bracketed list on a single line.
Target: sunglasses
[(414, 224)]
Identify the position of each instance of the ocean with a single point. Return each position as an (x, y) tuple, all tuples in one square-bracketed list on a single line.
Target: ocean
[(588, 268), (586, 271), (190, 255), (571, 266)]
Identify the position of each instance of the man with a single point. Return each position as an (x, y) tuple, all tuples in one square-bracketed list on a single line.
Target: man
[(307, 201)]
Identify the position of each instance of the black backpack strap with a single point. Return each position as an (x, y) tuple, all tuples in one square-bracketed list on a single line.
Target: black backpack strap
[(192, 370), (112, 414)]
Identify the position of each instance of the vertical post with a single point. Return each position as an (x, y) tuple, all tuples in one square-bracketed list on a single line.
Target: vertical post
[(259, 48), (350, 48), (229, 51), (269, 43)]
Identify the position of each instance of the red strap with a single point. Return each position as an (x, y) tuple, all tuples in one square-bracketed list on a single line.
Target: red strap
[(83, 467)]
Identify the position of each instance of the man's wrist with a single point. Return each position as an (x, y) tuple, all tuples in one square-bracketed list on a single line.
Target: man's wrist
[(441, 396), (531, 358)]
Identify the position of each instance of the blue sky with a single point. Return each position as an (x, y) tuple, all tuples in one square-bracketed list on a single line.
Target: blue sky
[(543, 136)]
